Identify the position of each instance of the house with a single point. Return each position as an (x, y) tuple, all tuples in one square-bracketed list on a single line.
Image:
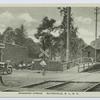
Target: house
[(89, 51)]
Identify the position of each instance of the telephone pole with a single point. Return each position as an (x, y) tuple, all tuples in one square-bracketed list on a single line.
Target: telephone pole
[(96, 28), (68, 32), (66, 11)]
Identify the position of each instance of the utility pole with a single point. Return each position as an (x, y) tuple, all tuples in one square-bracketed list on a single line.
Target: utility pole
[(96, 24), (66, 11), (68, 32)]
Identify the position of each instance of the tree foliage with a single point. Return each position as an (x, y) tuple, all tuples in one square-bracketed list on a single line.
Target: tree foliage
[(9, 35), (44, 34), (55, 45), (74, 41), (33, 48), (18, 36)]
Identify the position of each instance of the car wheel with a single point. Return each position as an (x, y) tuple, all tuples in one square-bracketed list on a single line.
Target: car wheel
[(9, 70)]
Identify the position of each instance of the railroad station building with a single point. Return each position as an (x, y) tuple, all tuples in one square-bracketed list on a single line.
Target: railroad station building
[(89, 51)]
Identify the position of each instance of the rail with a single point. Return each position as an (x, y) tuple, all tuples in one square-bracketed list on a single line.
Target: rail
[(82, 63)]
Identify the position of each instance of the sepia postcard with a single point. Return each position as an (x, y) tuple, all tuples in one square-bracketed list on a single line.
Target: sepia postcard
[(50, 50)]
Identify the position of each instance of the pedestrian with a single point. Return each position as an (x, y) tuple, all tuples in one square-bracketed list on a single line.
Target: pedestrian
[(32, 64), (43, 64)]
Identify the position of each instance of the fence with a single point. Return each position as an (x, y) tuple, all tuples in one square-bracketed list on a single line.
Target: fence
[(51, 66), (82, 63)]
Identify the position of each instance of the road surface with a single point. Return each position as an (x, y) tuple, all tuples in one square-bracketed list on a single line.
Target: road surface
[(21, 78)]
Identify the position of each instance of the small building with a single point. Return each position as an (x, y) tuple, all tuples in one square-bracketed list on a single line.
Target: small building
[(14, 53), (89, 51)]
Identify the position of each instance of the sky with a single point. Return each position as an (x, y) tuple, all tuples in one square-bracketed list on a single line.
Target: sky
[(84, 19)]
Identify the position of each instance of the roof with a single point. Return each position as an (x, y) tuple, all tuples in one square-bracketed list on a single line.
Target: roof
[(97, 47), (87, 47), (96, 44)]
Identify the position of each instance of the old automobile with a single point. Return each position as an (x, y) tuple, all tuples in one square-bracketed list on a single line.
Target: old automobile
[(5, 67)]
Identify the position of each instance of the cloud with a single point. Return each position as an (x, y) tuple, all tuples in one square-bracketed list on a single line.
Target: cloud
[(2, 28), (9, 19), (31, 34), (86, 35), (58, 22), (6, 18), (83, 20), (6, 15), (26, 17), (57, 32)]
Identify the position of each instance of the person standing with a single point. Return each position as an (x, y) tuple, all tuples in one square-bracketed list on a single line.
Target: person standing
[(43, 64)]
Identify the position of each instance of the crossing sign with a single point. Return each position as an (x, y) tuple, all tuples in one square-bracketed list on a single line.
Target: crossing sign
[(44, 53), (2, 45), (43, 63)]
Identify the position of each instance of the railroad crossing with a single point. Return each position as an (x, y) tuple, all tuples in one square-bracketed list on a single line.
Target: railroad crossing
[(56, 81), (44, 53), (21, 80)]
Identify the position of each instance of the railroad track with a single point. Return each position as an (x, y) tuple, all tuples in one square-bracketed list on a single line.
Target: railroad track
[(69, 86), (93, 88)]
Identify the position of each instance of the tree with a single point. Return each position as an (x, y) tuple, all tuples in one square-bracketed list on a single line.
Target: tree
[(73, 37), (33, 49), (20, 35), (9, 35), (23, 40), (44, 33)]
